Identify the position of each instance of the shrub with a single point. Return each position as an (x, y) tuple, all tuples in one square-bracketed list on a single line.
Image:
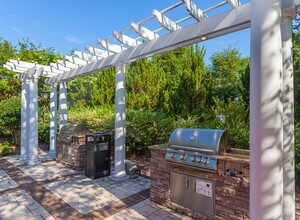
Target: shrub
[(4, 149), (145, 128), (44, 132), (10, 115), (235, 122), (297, 147)]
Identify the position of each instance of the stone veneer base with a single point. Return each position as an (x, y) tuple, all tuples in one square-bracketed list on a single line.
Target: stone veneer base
[(232, 192)]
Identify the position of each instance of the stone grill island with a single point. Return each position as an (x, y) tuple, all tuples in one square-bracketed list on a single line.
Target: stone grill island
[(226, 198)]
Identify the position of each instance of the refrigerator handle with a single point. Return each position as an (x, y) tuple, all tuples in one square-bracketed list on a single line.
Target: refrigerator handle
[(187, 183)]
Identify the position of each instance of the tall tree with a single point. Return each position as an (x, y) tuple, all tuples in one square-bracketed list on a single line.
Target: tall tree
[(103, 88), (226, 67), (9, 85)]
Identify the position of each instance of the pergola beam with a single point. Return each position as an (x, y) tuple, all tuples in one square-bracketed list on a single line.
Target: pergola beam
[(86, 56), (234, 3), (193, 10), (227, 22), (165, 22), (126, 40), (143, 32), (97, 52), (77, 60), (114, 48)]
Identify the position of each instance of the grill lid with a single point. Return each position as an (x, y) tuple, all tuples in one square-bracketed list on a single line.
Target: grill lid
[(202, 140), (68, 130)]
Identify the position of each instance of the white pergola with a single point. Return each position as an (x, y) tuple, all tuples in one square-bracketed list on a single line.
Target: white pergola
[(272, 180)]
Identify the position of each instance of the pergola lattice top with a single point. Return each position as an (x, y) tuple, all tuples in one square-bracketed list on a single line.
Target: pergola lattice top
[(107, 52)]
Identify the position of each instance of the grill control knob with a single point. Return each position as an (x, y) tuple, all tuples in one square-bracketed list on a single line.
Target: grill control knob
[(183, 157), (193, 159), (204, 161), (173, 156), (198, 160), (207, 161)]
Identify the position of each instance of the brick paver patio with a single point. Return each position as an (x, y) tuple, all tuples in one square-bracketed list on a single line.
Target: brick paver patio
[(52, 191)]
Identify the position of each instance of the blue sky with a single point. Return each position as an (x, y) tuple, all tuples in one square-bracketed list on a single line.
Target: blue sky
[(67, 24)]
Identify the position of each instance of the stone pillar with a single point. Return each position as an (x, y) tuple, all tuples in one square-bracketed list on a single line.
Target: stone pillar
[(24, 119), (63, 108), (120, 123), (266, 110), (288, 121), (53, 119), (33, 121)]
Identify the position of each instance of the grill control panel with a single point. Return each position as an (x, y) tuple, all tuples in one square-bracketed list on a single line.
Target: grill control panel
[(193, 159)]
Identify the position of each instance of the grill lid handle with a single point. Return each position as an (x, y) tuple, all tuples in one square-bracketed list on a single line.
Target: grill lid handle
[(192, 137)]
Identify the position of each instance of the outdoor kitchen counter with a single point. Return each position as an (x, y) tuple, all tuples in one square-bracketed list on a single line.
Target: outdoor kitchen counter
[(231, 183)]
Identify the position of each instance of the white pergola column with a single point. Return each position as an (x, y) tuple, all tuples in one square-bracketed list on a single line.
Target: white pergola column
[(288, 121), (53, 119), (33, 121), (24, 119), (63, 108), (266, 109), (120, 123)]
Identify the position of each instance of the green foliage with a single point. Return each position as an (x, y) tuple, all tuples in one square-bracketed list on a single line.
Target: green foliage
[(28, 51), (145, 128), (10, 115), (296, 62), (9, 85), (44, 132), (297, 147), (230, 116), (226, 69), (4, 148)]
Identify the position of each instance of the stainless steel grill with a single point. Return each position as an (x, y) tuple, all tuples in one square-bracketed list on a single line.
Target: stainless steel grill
[(67, 132), (197, 148), (66, 136)]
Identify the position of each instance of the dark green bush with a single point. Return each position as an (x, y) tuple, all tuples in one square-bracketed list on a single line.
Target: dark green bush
[(10, 115), (235, 122), (145, 128), (4, 148), (297, 147), (44, 130)]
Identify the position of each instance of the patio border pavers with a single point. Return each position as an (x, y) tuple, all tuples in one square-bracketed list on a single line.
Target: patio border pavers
[(57, 207)]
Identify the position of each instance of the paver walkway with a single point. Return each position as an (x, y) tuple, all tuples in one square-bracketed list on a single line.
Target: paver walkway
[(52, 191)]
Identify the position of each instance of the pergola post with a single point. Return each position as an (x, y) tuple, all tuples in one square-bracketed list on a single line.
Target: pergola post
[(33, 121), (24, 119), (63, 108), (288, 121), (120, 123), (53, 119), (266, 111)]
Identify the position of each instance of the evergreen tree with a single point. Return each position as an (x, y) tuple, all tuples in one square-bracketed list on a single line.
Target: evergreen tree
[(103, 88)]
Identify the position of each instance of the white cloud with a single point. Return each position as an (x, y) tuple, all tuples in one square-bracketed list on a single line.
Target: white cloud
[(73, 39), (17, 30)]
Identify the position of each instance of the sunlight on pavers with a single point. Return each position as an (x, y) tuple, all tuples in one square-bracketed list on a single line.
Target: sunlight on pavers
[(86, 195), (147, 210), (15, 159), (6, 182), (20, 205), (46, 171)]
